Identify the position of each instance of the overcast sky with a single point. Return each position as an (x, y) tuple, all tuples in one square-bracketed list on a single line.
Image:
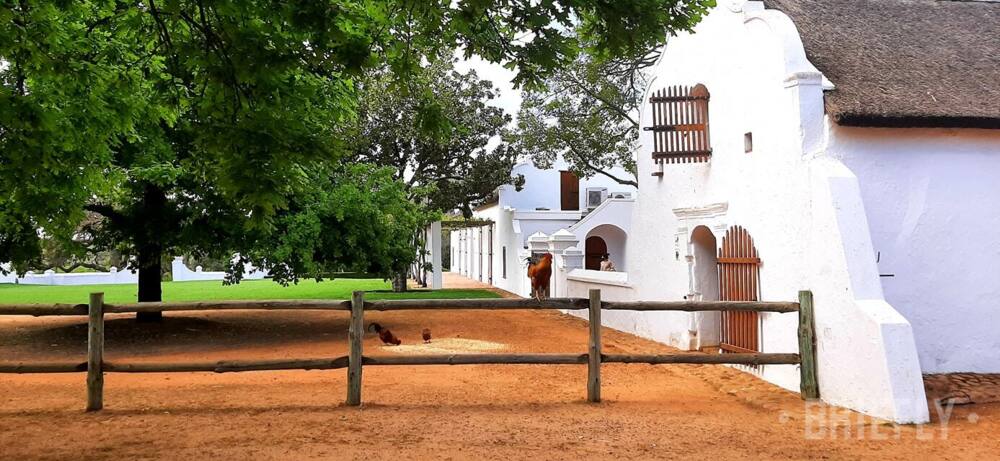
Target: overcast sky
[(510, 98)]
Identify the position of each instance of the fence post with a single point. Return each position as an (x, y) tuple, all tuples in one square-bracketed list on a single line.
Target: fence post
[(95, 352), (594, 352), (355, 335), (809, 385)]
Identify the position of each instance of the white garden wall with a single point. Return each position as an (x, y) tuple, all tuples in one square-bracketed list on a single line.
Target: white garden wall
[(181, 273), (50, 277)]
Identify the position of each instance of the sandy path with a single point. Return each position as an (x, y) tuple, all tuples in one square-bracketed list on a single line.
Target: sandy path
[(438, 412)]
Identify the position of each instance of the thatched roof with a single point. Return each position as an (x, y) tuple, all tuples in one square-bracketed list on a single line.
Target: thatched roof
[(910, 63)]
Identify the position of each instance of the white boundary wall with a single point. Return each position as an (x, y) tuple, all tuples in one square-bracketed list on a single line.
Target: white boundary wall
[(181, 273), (50, 277)]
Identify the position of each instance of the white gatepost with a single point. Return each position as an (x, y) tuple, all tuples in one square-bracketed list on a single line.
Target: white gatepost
[(437, 277), (538, 242), (559, 243)]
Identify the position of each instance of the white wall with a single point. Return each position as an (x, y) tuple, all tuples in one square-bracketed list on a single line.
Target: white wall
[(802, 208), (542, 187), (515, 217), (181, 273), (511, 229), (931, 197), (50, 277), (433, 247), (599, 222)]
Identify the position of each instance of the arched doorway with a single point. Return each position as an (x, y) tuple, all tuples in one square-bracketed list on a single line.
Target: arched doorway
[(704, 285), (611, 241), (596, 248), (739, 267)]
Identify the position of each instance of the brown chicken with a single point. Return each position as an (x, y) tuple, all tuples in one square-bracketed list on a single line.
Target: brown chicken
[(427, 335), (384, 334), (540, 272)]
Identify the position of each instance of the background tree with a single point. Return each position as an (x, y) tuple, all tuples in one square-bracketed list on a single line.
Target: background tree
[(586, 113), (193, 126), (358, 219), (80, 251), (435, 131)]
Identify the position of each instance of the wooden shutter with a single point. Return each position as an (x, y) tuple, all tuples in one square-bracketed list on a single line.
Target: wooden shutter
[(570, 191), (680, 124)]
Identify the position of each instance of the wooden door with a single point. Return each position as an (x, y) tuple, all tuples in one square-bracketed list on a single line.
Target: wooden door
[(569, 191), (738, 281), (595, 249)]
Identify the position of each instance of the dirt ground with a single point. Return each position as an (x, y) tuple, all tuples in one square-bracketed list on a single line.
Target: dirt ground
[(440, 412)]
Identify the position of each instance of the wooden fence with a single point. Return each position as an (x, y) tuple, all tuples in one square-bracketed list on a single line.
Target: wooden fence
[(96, 366)]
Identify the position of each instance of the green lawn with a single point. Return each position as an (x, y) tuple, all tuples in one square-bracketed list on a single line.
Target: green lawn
[(209, 290)]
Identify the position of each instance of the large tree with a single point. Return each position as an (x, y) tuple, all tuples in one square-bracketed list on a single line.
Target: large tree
[(193, 125)]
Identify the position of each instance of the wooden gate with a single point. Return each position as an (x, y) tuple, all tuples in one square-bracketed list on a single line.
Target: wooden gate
[(738, 281)]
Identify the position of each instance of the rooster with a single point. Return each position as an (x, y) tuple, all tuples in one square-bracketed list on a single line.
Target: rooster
[(384, 334), (427, 335), (540, 272)]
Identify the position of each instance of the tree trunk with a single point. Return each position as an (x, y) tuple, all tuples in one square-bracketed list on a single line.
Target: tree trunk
[(150, 250), (150, 275), (399, 282)]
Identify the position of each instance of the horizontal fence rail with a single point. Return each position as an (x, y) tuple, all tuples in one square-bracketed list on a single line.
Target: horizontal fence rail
[(483, 304), (701, 306), (402, 304), (96, 366), (478, 359), (276, 305), (714, 359), (39, 310)]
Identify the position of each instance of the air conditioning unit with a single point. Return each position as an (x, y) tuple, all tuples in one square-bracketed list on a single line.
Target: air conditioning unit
[(621, 195), (596, 196)]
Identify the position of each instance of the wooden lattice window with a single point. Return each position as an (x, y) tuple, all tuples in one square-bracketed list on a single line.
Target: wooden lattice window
[(680, 124)]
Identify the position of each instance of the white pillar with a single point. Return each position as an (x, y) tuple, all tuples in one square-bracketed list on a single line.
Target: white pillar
[(559, 243), (437, 277), (538, 242), (805, 92)]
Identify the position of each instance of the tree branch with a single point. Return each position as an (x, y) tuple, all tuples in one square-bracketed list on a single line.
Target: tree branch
[(583, 160), (593, 94), (115, 216)]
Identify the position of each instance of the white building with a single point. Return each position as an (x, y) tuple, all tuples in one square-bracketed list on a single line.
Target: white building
[(846, 147), (551, 199)]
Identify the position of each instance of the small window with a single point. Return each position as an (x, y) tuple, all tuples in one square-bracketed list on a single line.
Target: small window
[(680, 124), (748, 142)]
